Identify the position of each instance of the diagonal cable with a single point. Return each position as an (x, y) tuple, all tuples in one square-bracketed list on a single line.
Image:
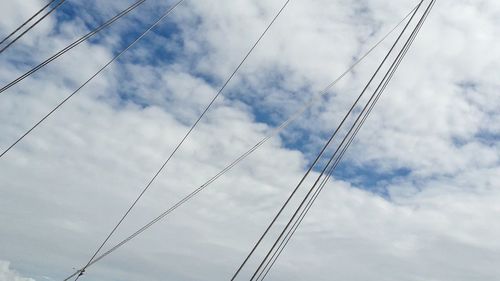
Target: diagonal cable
[(27, 21), (31, 26)]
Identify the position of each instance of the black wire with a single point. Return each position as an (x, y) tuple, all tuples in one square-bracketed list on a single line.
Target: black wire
[(26, 22), (188, 132), (237, 160), (380, 89), (90, 79), (31, 26), (317, 158), (72, 45)]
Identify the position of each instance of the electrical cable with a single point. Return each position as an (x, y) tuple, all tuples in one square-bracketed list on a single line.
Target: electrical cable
[(27, 21), (31, 26), (247, 153), (72, 45)]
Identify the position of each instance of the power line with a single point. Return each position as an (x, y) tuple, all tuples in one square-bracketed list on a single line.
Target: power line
[(274, 132), (320, 153), (187, 134), (92, 77), (357, 125), (292, 230), (26, 22), (72, 45), (33, 25)]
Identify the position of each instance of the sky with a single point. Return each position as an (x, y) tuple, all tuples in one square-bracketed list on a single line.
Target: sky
[(417, 196)]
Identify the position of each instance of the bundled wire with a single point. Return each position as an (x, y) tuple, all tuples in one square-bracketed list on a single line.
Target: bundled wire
[(322, 151), (274, 132), (50, 11), (269, 260)]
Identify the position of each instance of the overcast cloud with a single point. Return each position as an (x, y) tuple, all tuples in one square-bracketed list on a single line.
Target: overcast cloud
[(417, 197)]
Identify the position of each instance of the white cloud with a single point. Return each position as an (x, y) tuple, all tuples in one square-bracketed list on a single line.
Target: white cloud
[(66, 184), (7, 274)]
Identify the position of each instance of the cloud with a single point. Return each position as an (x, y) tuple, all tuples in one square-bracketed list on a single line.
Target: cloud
[(415, 199), (7, 274)]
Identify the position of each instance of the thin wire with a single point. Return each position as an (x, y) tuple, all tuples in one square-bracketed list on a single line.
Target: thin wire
[(188, 133), (26, 22), (31, 26), (380, 89), (336, 163), (316, 160), (274, 132), (72, 45), (92, 77)]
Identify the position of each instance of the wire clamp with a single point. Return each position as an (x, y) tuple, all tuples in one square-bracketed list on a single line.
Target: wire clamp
[(82, 271)]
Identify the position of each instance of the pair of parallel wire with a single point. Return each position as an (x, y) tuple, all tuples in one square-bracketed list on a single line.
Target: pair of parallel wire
[(72, 45), (7, 41)]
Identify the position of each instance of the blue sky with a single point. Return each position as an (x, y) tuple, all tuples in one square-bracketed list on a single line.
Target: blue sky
[(419, 182)]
